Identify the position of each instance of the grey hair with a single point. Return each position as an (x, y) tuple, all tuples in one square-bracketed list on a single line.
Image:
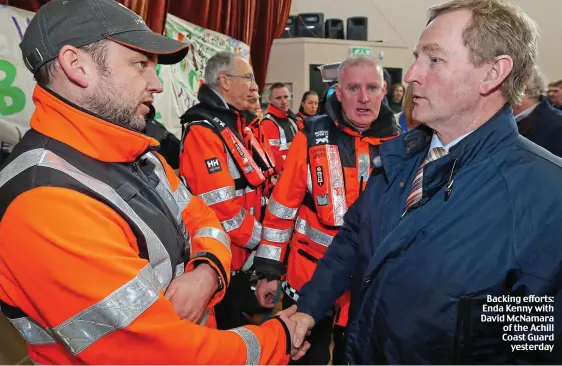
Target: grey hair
[(536, 86), (219, 64), (358, 60)]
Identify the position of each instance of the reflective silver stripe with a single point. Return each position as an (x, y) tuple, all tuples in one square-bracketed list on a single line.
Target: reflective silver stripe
[(364, 164), (253, 349), (337, 184), (309, 180), (32, 332), (243, 191), (281, 211), (313, 234), (256, 236), (276, 235), (282, 142), (158, 256), (269, 252), (177, 200), (115, 312), (213, 233), (180, 269), (204, 317), (235, 222), (232, 168), (294, 126), (218, 195)]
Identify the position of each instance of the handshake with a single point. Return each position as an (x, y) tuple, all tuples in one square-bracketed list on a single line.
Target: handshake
[(299, 325)]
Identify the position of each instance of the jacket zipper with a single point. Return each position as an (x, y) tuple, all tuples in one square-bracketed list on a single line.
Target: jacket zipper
[(136, 172), (462, 334)]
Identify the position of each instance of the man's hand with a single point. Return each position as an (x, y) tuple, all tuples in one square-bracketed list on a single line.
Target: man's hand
[(286, 317), (190, 293), (303, 325), (265, 292)]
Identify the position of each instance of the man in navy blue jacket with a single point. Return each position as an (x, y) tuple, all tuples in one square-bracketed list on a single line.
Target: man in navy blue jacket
[(453, 253), (537, 119)]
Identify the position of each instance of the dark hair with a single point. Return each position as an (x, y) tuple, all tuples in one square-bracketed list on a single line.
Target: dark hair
[(304, 96), (96, 50), (276, 85)]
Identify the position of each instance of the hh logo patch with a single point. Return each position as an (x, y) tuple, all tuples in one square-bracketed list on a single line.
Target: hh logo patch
[(322, 200), (213, 165)]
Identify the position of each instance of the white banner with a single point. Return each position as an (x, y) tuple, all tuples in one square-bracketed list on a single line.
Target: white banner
[(180, 81)]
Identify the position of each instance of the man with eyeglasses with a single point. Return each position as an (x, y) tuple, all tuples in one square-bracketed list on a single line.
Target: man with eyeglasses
[(224, 164)]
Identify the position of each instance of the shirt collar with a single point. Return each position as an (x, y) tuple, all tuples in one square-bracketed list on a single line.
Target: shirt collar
[(526, 112), (436, 142)]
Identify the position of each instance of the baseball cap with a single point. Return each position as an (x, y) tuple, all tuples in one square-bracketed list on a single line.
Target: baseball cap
[(82, 22)]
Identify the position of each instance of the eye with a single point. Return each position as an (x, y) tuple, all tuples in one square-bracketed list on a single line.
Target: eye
[(434, 60), (372, 88), (142, 64), (353, 88)]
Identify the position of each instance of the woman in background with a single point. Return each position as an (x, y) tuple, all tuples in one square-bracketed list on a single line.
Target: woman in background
[(309, 105)]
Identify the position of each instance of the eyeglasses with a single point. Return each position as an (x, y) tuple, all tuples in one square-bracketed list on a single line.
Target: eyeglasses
[(248, 78)]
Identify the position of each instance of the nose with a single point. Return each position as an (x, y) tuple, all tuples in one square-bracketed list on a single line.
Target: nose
[(154, 84), (412, 74), (364, 96), (253, 87)]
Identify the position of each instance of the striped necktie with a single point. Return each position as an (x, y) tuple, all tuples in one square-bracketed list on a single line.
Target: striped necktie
[(416, 192)]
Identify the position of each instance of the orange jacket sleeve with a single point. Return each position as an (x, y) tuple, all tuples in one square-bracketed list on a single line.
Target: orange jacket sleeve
[(281, 213), (209, 242), (63, 264), (271, 132), (204, 165)]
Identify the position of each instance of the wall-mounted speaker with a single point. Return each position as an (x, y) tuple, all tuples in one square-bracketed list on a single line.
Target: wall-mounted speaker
[(310, 25), (357, 28), (333, 28), (290, 28)]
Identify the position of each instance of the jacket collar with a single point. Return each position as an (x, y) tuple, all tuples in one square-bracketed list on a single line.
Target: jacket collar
[(384, 126), (413, 146), (211, 103), (276, 112), (102, 140)]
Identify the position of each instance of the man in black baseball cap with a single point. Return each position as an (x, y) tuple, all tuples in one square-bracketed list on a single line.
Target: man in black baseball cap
[(67, 37), (106, 256)]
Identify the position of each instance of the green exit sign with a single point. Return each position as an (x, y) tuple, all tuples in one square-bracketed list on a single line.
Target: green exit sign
[(360, 51)]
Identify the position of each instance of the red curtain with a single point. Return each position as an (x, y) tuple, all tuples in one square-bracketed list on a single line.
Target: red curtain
[(152, 11), (254, 22)]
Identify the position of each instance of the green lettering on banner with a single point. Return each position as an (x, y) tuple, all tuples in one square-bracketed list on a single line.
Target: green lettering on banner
[(158, 69), (192, 78), (9, 93)]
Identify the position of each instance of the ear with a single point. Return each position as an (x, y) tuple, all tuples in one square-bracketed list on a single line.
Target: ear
[(75, 65), (224, 82), (498, 71), (339, 91), (384, 88)]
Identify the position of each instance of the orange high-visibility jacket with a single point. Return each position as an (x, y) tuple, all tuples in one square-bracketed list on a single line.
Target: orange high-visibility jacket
[(219, 167), (327, 167), (280, 128), (94, 226)]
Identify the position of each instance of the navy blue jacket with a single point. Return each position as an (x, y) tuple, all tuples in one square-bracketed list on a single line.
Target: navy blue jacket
[(544, 127), (419, 282)]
